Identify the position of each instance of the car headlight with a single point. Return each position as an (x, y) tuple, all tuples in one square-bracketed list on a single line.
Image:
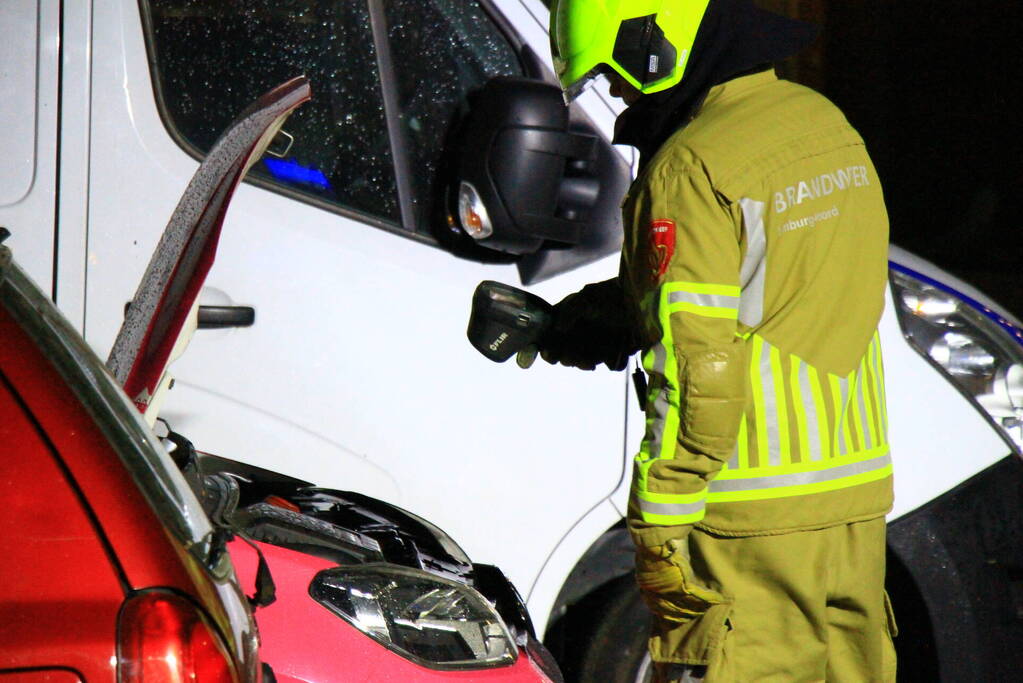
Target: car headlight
[(430, 620), (976, 349)]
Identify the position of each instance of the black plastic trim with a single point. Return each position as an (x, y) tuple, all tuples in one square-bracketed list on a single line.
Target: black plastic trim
[(640, 44), (219, 317), (495, 586), (57, 158), (597, 242), (392, 114)]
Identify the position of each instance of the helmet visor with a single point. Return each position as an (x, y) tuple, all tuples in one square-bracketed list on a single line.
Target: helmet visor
[(577, 88)]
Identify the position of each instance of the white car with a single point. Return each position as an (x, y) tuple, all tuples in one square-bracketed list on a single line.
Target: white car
[(339, 265)]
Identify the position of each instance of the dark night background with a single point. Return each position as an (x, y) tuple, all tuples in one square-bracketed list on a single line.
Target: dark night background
[(934, 87)]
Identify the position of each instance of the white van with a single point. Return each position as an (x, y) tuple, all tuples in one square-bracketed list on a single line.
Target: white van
[(343, 290)]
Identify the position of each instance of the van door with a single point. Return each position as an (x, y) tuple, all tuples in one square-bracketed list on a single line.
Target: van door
[(29, 77), (356, 373)]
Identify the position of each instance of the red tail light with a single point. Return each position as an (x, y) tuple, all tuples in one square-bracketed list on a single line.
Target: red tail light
[(163, 638)]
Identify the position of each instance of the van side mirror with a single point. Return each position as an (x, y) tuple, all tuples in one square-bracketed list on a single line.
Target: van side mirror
[(533, 180)]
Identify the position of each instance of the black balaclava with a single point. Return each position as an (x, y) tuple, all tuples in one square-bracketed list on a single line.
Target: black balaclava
[(735, 37)]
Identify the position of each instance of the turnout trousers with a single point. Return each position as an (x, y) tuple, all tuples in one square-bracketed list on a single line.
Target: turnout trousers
[(801, 606)]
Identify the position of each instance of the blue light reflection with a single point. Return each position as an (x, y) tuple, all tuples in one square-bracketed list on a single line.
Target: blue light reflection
[(290, 171)]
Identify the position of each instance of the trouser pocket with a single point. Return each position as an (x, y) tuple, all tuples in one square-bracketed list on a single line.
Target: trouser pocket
[(889, 614), (697, 641), (889, 664)]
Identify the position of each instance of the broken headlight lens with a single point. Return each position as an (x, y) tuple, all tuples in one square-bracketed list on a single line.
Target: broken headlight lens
[(425, 618), (976, 349)]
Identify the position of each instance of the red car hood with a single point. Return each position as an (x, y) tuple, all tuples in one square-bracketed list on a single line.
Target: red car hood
[(160, 318)]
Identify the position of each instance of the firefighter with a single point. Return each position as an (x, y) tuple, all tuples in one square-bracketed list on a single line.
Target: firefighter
[(752, 281)]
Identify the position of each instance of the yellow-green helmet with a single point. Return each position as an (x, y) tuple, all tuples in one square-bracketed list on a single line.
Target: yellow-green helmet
[(647, 42)]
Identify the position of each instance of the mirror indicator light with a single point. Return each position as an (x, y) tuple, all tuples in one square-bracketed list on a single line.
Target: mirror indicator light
[(472, 213)]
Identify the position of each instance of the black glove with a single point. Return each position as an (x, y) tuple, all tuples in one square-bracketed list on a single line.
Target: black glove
[(590, 327)]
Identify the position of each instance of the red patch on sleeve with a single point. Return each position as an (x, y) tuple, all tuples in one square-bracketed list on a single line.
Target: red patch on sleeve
[(662, 246)]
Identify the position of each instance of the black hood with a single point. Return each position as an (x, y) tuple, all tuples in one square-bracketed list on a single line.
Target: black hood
[(735, 38)]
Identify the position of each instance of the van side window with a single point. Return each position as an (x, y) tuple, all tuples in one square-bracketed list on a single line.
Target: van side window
[(211, 59), (441, 50)]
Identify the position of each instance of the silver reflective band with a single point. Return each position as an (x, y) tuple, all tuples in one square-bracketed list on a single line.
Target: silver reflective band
[(754, 264), (879, 385), (674, 509), (844, 447), (813, 434), (861, 377), (660, 359), (717, 300), (770, 416), (733, 462), (799, 478), (660, 405)]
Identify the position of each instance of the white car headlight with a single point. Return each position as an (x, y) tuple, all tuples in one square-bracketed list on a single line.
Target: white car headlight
[(430, 620), (976, 349)]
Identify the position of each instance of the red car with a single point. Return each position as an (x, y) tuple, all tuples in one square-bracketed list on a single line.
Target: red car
[(111, 570)]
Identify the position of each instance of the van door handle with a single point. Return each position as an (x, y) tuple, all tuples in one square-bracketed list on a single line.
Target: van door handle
[(218, 317)]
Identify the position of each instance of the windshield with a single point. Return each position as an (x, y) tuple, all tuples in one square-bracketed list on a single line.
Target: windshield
[(130, 438)]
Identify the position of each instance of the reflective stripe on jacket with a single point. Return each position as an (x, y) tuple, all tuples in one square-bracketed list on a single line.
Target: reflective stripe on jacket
[(756, 258)]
